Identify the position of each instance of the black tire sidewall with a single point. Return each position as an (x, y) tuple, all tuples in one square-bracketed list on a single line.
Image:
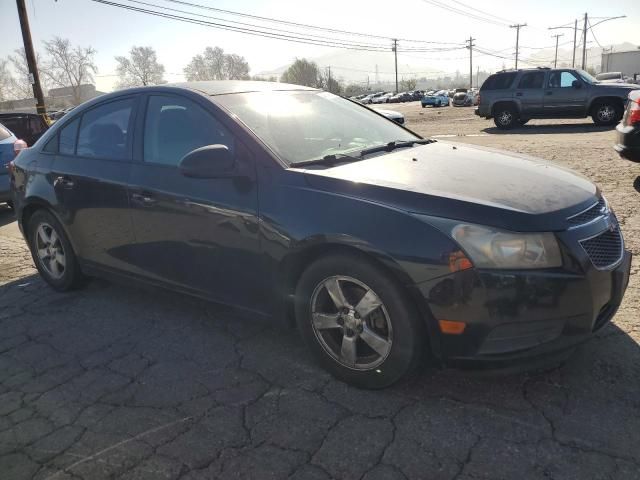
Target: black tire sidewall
[(408, 331), (71, 278)]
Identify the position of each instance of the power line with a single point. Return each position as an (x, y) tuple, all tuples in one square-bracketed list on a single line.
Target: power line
[(482, 12), (465, 13), (296, 24)]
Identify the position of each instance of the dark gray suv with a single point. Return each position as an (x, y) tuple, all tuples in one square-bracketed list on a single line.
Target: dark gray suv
[(513, 97)]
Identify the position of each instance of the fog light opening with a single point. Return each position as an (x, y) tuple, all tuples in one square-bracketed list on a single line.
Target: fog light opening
[(451, 327)]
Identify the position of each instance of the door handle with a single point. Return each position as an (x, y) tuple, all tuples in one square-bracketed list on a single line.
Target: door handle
[(63, 182), (518, 94), (144, 199)]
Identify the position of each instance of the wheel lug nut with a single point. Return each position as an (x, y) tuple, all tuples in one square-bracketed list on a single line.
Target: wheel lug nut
[(356, 315)]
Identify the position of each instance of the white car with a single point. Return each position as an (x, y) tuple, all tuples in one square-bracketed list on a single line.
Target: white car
[(382, 98), (391, 115)]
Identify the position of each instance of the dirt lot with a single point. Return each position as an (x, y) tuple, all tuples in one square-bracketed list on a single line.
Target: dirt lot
[(113, 382)]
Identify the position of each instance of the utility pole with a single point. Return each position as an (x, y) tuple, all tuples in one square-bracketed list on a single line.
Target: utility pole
[(517, 26), (395, 52), (584, 43), (470, 47), (34, 76), (329, 78), (575, 32), (555, 60)]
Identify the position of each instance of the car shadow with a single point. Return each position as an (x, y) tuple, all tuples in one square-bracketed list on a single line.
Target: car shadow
[(636, 184), (550, 129), (7, 215)]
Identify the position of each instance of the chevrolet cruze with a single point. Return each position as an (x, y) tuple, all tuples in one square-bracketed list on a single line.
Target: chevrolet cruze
[(286, 201)]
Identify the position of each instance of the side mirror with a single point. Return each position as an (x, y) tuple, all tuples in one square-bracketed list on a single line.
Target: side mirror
[(576, 84), (211, 161)]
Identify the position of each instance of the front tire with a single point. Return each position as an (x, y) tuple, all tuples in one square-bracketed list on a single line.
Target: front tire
[(358, 322), (52, 253), (606, 113), (505, 117)]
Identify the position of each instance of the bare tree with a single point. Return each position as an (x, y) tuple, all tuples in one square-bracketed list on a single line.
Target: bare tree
[(6, 80), (20, 83), (68, 66), (214, 64), (408, 84), (140, 69)]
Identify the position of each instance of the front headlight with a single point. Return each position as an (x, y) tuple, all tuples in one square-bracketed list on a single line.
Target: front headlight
[(492, 248)]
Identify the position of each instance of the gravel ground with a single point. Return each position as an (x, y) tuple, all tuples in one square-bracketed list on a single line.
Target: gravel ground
[(115, 382)]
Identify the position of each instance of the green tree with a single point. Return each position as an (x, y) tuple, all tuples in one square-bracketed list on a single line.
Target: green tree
[(303, 72)]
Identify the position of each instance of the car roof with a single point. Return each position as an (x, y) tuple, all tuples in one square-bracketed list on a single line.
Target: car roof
[(225, 87)]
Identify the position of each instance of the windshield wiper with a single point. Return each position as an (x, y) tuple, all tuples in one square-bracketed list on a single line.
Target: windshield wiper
[(336, 158), (331, 159), (388, 147)]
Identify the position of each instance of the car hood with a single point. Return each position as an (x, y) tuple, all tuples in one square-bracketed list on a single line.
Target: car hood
[(474, 184), (626, 86)]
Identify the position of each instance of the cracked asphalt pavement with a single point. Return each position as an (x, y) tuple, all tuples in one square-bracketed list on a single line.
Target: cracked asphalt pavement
[(118, 382)]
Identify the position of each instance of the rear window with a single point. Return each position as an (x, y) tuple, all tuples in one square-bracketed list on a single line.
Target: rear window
[(16, 125), (4, 133), (499, 81)]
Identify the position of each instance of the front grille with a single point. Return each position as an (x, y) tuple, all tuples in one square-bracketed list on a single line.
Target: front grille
[(604, 250), (590, 214)]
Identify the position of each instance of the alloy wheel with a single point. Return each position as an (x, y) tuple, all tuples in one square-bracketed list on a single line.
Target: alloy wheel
[(505, 117), (50, 251), (351, 323)]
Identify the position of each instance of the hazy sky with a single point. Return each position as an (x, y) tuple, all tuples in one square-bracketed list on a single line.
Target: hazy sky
[(112, 31)]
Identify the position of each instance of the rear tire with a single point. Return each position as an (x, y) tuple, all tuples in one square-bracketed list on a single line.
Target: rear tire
[(52, 253), (344, 305), (606, 113), (505, 117)]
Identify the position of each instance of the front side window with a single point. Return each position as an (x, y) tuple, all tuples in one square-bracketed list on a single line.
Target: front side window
[(68, 135), (531, 80), (561, 79), (174, 126), (309, 125), (104, 130)]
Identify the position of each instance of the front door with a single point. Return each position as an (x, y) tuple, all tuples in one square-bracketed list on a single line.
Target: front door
[(530, 93), (90, 171), (197, 234), (565, 95)]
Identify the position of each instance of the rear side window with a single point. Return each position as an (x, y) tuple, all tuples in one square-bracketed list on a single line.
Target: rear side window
[(4, 133), (174, 126), (104, 131), (499, 81), (531, 80), (36, 125), (68, 136)]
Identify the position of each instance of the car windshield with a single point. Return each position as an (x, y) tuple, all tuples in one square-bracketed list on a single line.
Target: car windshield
[(307, 125), (586, 76)]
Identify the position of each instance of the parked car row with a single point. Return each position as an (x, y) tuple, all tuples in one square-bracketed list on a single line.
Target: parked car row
[(389, 97)]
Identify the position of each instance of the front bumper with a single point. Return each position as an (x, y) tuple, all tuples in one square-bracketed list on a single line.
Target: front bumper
[(628, 142), (523, 317)]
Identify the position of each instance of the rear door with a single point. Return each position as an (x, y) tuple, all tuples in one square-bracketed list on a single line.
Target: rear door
[(6, 155), (196, 234), (90, 174), (530, 93), (563, 97)]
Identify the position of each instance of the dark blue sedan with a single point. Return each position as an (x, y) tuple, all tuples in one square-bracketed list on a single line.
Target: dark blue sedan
[(286, 201)]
